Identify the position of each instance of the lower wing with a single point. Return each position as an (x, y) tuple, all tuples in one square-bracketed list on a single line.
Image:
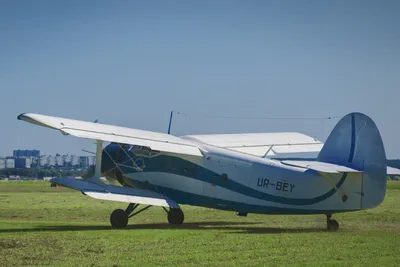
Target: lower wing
[(99, 190)]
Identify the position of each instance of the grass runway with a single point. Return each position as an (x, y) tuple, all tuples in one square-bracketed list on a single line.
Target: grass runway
[(40, 225)]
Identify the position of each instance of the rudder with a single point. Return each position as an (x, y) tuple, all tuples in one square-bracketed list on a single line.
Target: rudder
[(356, 142)]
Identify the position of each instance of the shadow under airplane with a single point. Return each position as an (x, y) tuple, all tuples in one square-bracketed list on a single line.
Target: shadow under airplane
[(233, 227)]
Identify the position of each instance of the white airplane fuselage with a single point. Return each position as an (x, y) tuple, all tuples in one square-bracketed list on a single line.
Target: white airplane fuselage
[(229, 180)]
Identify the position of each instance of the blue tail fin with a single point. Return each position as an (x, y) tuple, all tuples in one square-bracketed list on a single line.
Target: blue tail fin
[(355, 142)]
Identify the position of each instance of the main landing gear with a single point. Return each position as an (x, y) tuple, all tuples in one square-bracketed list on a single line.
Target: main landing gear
[(119, 218), (175, 216), (331, 225)]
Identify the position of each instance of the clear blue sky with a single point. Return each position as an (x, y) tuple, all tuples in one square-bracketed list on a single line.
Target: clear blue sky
[(131, 62)]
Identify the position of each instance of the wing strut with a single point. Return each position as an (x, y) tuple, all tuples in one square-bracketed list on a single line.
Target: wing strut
[(99, 152), (170, 122)]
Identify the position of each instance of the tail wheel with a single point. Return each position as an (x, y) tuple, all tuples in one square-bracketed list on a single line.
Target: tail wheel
[(175, 216), (332, 225)]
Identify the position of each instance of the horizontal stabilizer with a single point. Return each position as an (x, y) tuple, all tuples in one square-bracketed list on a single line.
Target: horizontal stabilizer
[(319, 166), (116, 134), (99, 190)]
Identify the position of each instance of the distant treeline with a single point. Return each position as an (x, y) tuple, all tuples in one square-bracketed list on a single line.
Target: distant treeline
[(39, 173), (395, 163)]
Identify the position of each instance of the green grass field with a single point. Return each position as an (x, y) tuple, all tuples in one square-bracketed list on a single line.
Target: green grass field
[(40, 225)]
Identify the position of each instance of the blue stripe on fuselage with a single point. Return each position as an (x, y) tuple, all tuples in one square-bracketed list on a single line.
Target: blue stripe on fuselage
[(179, 166), (215, 203)]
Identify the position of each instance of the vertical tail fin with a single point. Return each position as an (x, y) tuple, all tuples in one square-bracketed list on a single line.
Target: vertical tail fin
[(355, 142)]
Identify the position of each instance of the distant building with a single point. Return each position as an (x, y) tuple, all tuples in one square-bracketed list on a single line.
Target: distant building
[(10, 163), (83, 161), (22, 163), (91, 160), (26, 153), (67, 160), (59, 161), (25, 159), (34, 161), (43, 161), (74, 161), (51, 161), (2, 163)]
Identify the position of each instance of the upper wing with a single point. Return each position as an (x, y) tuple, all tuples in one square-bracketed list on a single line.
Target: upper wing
[(261, 144), (99, 190), (110, 133)]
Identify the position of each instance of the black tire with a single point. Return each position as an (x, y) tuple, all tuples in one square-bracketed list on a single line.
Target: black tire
[(175, 216), (119, 219), (333, 225)]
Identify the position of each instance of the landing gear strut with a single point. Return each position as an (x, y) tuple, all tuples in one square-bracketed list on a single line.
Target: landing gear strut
[(119, 218), (331, 225)]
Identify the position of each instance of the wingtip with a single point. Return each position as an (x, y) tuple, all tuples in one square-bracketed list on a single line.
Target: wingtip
[(20, 116)]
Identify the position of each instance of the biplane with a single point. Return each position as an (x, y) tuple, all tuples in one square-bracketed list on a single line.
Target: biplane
[(232, 172)]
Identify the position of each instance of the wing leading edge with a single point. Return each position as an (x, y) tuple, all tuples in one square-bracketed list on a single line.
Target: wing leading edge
[(111, 133)]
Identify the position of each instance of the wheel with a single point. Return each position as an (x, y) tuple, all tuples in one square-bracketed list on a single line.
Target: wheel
[(175, 216), (332, 225), (119, 219)]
